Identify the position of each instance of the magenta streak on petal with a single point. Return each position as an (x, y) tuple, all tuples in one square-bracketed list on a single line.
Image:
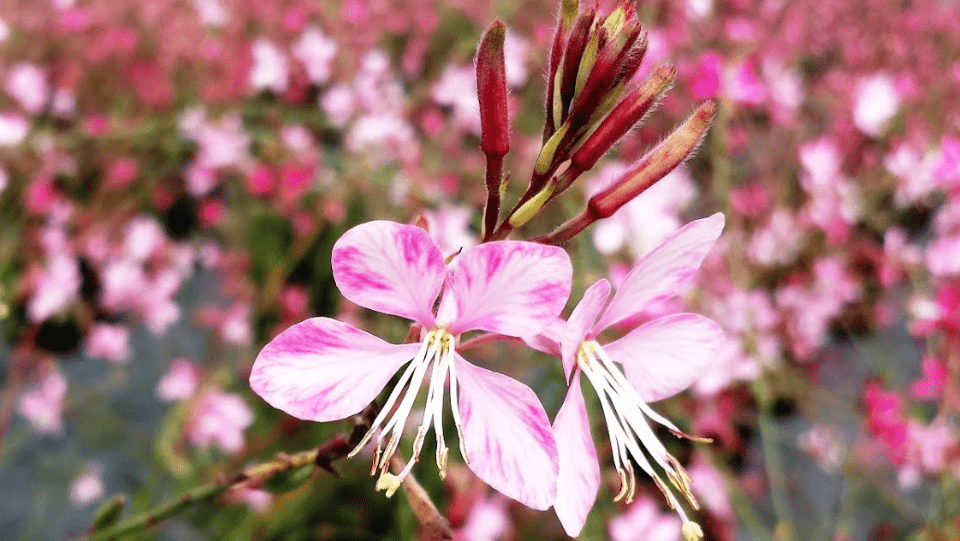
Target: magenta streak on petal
[(507, 436), (357, 276), (412, 250)]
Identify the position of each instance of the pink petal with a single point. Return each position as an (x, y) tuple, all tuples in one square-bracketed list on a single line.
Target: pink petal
[(391, 268), (667, 355), (582, 319), (664, 271), (509, 287), (322, 369), (507, 436), (579, 474), (548, 340)]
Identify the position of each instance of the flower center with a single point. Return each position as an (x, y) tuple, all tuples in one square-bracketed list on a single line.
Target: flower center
[(626, 416), (437, 350)]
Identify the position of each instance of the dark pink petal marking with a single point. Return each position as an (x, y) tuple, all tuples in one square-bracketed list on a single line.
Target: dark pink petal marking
[(391, 268), (322, 369), (507, 436), (509, 287)]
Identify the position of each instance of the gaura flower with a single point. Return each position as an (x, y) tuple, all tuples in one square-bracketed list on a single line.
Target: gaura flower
[(659, 358), (323, 370)]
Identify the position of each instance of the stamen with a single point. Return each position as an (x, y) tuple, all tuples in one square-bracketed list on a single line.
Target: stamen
[(626, 415), (388, 405)]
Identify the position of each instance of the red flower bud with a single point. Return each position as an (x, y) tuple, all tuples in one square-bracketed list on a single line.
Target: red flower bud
[(626, 114), (665, 157), (492, 92)]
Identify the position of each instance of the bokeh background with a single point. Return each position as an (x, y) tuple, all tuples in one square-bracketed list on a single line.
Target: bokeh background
[(174, 173)]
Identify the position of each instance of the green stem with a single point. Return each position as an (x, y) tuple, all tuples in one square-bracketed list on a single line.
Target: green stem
[(322, 456), (770, 442)]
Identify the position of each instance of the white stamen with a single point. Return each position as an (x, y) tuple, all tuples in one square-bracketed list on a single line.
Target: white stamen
[(437, 350), (455, 406), (626, 416)]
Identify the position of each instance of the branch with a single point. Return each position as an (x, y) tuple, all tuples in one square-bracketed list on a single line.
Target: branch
[(322, 456)]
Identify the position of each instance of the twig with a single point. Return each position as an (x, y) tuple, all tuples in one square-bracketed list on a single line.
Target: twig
[(322, 456), (434, 525)]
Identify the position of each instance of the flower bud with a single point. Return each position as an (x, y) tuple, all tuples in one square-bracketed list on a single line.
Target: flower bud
[(626, 115), (108, 514), (665, 157), (492, 92), (286, 481)]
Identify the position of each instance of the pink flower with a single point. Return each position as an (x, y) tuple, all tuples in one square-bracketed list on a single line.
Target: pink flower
[(317, 52), (270, 70), (323, 370), (180, 381), (42, 405), (110, 342), (877, 102), (659, 358), (88, 487), (643, 520), (27, 84), (488, 521), (219, 419)]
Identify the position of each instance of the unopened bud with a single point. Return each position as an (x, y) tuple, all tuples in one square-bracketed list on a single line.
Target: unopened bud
[(492, 92), (623, 117), (665, 157), (286, 481), (568, 15), (108, 514), (567, 76)]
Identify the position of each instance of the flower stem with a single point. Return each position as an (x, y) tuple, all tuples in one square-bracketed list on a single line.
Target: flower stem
[(336, 448)]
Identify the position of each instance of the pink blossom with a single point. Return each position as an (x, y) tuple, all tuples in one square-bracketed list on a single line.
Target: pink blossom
[(339, 104), (181, 381), (88, 487), (324, 370), (13, 129), (270, 70), (659, 358), (42, 404), (110, 342), (516, 50), (457, 89), (825, 444), (932, 382), (706, 83), (219, 419), (643, 520), (743, 86), (56, 288), (488, 521), (212, 12), (316, 51), (914, 172), (26, 83), (261, 181), (122, 173), (256, 499), (943, 257), (877, 101), (450, 228)]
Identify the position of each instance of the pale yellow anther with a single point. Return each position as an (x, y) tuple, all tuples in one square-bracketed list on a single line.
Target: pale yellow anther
[(389, 483), (691, 531)]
